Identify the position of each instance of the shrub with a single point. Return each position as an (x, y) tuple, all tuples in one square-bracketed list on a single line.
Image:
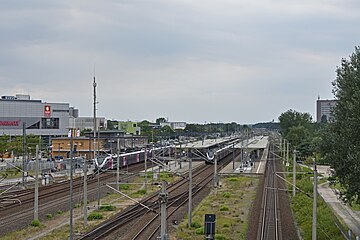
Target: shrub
[(233, 179), (59, 212), (226, 225), (107, 208), (199, 231), (220, 237), (125, 187), (224, 208), (49, 216), (226, 195), (35, 223), (196, 224), (94, 216)]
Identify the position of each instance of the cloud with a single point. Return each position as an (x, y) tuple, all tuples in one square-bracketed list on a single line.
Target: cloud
[(243, 61)]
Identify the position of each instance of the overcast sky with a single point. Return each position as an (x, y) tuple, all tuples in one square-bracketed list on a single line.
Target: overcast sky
[(188, 60)]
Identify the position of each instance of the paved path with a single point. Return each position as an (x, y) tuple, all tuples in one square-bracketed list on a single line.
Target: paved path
[(350, 217)]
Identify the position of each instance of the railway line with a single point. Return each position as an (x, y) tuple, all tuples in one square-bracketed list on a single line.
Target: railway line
[(270, 225), (147, 220), (272, 208), (18, 214)]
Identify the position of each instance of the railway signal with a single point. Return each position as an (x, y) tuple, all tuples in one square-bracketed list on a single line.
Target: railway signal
[(209, 228)]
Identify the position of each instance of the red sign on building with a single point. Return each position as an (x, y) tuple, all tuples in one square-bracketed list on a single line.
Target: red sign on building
[(47, 111)]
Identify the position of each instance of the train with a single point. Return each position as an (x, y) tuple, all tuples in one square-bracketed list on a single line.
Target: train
[(109, 162)]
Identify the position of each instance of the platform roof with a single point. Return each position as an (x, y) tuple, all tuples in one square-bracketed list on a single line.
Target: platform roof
[(257, 142), (207, 143)]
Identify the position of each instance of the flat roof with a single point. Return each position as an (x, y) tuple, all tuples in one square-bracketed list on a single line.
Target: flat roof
[(201, 144), (257, 142)]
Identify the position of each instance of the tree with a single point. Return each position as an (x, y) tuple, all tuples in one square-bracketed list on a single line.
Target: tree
[(342, 141), (292, 118), (160, 120)]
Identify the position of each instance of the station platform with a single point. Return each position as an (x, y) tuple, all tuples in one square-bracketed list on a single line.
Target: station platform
[(257, 168)]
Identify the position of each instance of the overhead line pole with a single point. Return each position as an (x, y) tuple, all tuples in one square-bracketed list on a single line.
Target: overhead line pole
[(36, 200), (190, 190), (118, 164), (71, 186), (314, 203), (24, 153)]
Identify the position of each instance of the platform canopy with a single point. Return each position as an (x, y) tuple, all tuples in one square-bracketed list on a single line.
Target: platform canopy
[(257, 142), (206, 143)]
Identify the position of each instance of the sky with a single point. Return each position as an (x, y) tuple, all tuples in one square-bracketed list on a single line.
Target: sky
[(202, 61)]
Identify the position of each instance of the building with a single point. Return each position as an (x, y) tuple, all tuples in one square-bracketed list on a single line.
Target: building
[(83, 123), (105, 142), (40, 118), (324, 110), (84, 147), (174, 125), (128, 127)]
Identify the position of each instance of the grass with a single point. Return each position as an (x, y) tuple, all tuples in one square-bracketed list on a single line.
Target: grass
[(231, 203), (301, 206), (95, 216)]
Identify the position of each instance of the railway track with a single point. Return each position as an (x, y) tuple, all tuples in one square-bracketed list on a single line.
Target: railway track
[(147, 220), (52, 198), (270, 222)]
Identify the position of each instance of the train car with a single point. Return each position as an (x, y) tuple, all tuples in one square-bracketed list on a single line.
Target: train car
[(109, 162)]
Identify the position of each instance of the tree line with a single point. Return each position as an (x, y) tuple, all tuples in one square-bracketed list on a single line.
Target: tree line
[(335, 142)]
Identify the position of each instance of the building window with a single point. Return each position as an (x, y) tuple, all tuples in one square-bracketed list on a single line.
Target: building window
[(50, 123)]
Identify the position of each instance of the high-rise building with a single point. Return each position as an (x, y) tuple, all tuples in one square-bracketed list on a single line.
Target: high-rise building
[(324, 110)]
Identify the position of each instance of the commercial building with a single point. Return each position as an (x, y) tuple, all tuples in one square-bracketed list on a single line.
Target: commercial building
[(324, 110), (87, 123), (174, 125), (40, 118)]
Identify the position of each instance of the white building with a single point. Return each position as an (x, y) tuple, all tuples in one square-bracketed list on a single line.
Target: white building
[(87, 123), (174, 125)]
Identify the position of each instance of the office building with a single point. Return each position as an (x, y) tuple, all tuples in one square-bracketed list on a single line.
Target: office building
[(324, 110)]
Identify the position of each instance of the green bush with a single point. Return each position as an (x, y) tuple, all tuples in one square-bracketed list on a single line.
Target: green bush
[(199, 231), (196, 224), (35, 223), (233, 179), (59, 212), (226, 195), (94, 216), (107, 208), (49, 216), (220, 237), (124, 187), (226, 225), (224, 208)]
